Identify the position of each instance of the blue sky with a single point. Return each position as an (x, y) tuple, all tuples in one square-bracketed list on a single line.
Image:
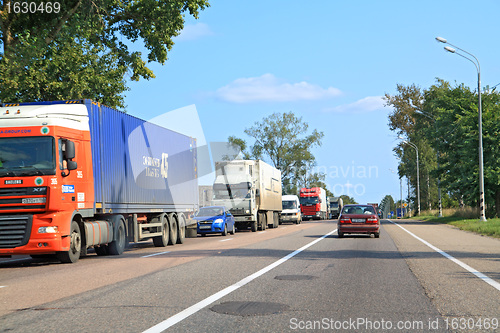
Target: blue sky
[(330, 62)]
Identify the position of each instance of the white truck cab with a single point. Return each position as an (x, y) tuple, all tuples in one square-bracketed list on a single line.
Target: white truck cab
[(291, 209)]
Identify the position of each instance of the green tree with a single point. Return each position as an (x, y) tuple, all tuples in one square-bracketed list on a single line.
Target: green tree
[(347, 200), (284, 140), (443, 122), (412, 126), (81, 51), (387, 205), (403, 118), (456, 112)]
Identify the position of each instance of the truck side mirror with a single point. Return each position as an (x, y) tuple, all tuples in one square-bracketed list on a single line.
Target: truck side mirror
[(69, 150), (68, 154)]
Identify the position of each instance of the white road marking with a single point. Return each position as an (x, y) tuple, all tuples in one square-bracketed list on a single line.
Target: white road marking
[(155, 254), (225, 240), (209, 300), (478, 274), (3, 286)]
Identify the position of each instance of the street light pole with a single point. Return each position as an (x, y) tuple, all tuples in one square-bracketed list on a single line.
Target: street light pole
[(482, 204), (418, 174), (401, 194)]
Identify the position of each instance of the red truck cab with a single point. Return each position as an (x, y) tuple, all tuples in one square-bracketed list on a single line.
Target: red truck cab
[(313, 203), (39, 183)]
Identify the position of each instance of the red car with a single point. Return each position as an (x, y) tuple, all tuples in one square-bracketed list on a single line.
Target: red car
[(358, 219)]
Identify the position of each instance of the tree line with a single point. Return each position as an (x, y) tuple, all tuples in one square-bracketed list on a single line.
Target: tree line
[(81, 48), (442, 121)]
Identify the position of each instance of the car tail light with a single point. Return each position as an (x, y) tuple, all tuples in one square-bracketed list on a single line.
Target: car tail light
[(371, 220), (345, 220)]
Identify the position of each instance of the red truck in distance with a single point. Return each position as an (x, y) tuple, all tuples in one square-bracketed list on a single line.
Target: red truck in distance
[(313, 203)]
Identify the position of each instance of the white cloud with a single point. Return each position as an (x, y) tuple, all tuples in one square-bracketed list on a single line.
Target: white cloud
[(367, 104), (194, 31), (268, 88)]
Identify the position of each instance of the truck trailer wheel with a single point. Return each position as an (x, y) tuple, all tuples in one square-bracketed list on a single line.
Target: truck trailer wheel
[(182, 229), (162, 241), (172, 219), (117, 246), (75, 245)]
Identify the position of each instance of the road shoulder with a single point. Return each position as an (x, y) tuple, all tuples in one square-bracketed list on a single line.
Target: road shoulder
[(454, 291)]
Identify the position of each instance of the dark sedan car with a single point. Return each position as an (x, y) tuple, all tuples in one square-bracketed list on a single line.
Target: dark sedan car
[(358, 219), (214, 219)]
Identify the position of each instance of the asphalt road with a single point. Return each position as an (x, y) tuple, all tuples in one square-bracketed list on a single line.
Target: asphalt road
[(294, 278)]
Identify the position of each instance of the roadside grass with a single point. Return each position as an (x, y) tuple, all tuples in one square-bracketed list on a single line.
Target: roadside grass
[(464, 219)]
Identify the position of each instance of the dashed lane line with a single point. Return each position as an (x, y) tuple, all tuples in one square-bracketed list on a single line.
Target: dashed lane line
[(155, 254), (209, 300)]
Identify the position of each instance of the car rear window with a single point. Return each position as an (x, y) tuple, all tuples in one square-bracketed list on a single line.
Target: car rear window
[(358, 210)]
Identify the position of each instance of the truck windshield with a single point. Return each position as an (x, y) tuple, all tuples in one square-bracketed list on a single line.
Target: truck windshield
[(236, 193), (27, 156), (210, 211), (289, 205), (309, 200), (334, 205)]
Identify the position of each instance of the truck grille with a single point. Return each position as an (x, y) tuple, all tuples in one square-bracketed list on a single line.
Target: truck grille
[(23, 199), (308, 210), (15, 230), (238, 211)]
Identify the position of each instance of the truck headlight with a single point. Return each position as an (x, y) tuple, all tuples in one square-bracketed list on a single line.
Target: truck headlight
[(247, 211), (48, 230)]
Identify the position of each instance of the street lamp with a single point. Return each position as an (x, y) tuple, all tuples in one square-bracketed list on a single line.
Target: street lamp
[(425, 114), (482, 203), (418, 174)]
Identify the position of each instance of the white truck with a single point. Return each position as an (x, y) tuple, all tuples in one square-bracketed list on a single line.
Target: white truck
[(291, 209), (336, 205), (251, 191)]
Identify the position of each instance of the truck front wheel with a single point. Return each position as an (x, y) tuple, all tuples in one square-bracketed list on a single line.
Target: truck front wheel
[(262, 221), (75, 245)]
